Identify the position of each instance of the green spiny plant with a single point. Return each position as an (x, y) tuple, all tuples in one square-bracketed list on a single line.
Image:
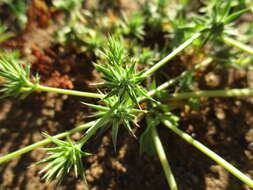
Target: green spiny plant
[(123, 91), (120, 74)]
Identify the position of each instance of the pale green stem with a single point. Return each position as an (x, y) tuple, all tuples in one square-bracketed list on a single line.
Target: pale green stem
[(210, 154), (212, 93), (171, 55), (238, 44), (41, 88), (44, 142), (163, 159), (174, 80)]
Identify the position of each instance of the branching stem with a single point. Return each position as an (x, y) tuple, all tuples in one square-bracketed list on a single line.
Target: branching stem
[(41, 88), (237, 173), (171, 55), (174, 80), (44, 142)]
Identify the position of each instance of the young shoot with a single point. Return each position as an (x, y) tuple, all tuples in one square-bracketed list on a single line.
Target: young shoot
[(16, 77)]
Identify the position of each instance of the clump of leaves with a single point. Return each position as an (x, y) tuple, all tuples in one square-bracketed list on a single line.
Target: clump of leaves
[(62, 159), (81, 29), (145, 55), (123, 114), (16, 77), (218, 19), (134, 25), (120, 73)]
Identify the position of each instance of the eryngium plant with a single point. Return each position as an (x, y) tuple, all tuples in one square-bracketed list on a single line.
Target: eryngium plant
[(123, 94)]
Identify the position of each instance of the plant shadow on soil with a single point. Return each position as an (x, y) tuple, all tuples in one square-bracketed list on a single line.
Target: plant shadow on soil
[(221, 124)]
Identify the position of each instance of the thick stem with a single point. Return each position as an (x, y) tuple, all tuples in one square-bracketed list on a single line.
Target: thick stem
[(163, 159), (238, 44), (237, 173), (171, 55), (212, 93), (41, 88), (31, 147)]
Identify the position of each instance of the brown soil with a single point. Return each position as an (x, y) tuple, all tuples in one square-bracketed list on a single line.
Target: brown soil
[(224, 125)]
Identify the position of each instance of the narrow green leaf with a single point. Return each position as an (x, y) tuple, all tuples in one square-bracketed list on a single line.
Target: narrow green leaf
[(235, 16), (96, 107)]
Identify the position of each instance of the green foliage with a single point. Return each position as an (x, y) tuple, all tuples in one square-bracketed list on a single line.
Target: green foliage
[(18, 8), (218, 19), (157, 28), (62, 159), (154, 16), (117, 114), (180, 25), (16, 77), (146, 142), (134, 25), (120, 74), (3, 35), (145, 56), (185, 83)]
